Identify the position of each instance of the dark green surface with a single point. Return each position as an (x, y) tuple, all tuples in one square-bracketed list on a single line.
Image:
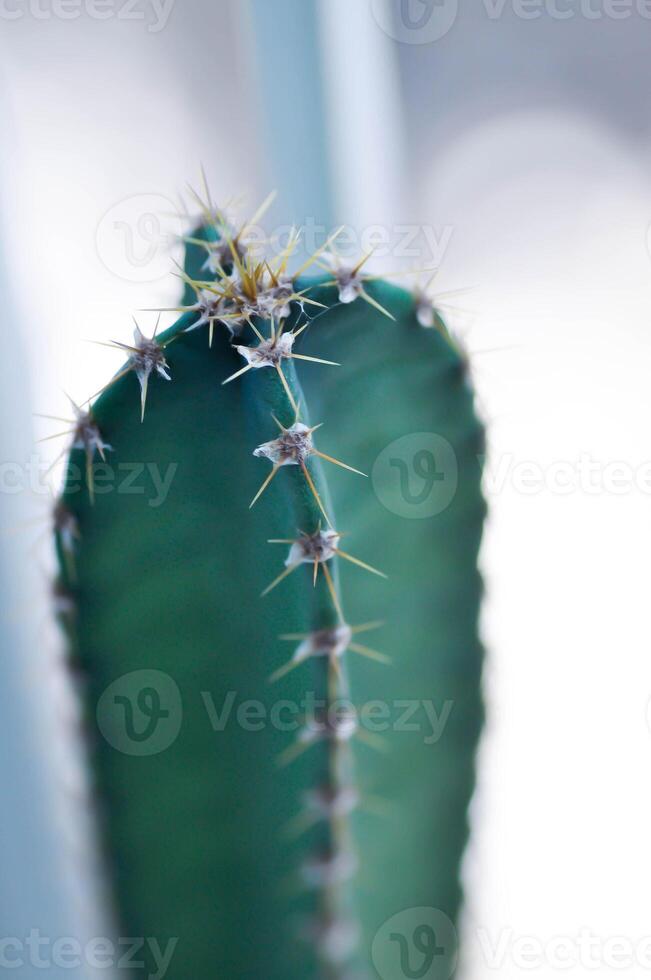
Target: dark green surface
[(195, 833)]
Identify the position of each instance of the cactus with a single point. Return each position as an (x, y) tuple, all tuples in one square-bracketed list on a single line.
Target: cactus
[(252, 811)]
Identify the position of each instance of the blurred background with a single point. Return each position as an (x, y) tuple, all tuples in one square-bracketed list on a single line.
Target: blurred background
[(506, 142)]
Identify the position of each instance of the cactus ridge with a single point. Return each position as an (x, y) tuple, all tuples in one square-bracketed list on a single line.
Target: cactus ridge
[(229, 287)]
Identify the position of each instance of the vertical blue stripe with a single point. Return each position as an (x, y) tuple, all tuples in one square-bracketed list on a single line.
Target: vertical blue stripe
[(290, 90)]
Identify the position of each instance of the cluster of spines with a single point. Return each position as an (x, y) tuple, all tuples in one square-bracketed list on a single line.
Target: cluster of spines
[(243, 292)]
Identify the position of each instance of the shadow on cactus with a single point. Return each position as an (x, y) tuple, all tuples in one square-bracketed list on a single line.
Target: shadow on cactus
[(272, 792)]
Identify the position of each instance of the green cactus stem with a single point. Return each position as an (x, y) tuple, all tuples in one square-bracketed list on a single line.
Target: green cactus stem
[(252, 814)]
